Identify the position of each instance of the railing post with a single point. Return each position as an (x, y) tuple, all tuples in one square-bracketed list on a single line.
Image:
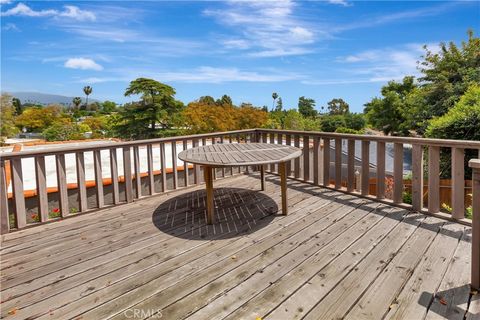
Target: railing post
[(4, 215), (475, 165)]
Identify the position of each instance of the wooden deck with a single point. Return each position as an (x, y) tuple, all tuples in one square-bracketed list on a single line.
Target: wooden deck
[(334, 256)]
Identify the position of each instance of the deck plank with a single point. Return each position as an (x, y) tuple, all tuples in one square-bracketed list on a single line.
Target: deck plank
[(417, 294), (380, 296)]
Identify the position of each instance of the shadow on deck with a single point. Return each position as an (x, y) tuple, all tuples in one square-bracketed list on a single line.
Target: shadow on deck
[(334, 256)]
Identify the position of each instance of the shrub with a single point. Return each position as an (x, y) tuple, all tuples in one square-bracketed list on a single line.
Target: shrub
[(329, 123)]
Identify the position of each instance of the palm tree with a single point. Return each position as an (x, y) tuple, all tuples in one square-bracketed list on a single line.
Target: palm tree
[(274, 96), (87, 90), (76, 102)]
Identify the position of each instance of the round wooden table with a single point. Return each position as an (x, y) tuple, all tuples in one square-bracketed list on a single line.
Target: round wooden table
[(240, 154)]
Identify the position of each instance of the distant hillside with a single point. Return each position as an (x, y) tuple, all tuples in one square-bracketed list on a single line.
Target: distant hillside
[(45, 98)]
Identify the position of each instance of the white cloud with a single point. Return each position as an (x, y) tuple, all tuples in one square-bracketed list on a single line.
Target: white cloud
[(204, 74), (82, 63), (263, 27), (219, 75), (340, 2), (10, 27), (77, 14), (24, 10), (381, 65), (5, 1), (71, 12)]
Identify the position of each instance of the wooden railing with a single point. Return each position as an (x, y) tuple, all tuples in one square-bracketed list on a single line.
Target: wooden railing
[(324, 163), (315, 166), (124, 189)]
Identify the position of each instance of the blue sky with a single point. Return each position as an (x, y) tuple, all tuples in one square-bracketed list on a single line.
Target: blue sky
[(318, 49)]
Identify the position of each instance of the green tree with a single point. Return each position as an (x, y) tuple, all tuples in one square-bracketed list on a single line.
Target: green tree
[(208, 100), (447, 74), (76, 102), (88, 91), (306, 107), (274, 97), (460, 122), (279, 106), (17, 104), (338, 106), (224, 100), (293, 120), (388, 113), (157, 106), (355, 121), (37, 119), (329, 123), (108, 107), (7, 119)]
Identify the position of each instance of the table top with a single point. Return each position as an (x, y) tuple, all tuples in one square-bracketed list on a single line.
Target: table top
[(234, 154)]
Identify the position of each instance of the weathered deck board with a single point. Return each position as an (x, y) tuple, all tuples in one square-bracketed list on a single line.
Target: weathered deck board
[(334, 255)]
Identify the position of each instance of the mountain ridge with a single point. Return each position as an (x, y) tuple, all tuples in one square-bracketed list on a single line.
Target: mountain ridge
[(45, 98)]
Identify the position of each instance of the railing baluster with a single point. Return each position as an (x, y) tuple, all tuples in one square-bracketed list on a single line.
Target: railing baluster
[(306, 158), (221, 141), (433, 179), (185, 164), (98, 177), (214, 170), (138, 176), (417, 177), (82, 189), (151, 177), (174, 164), (458, 183), (196, 168), (163, 167), (365, 167), (62, 185), (338, 163), (326, 162), (272, 140), (230, 141), (4, 212), (397, 172), (288, 141), (114, 175), (127, 174), (351, 165), (296, 139), (316, 160), (41, 180), (18, 196), (380, 170), (238, 140)]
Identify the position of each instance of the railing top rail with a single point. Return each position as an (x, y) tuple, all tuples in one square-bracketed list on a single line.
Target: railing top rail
[(63, 149), (466, 144)]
